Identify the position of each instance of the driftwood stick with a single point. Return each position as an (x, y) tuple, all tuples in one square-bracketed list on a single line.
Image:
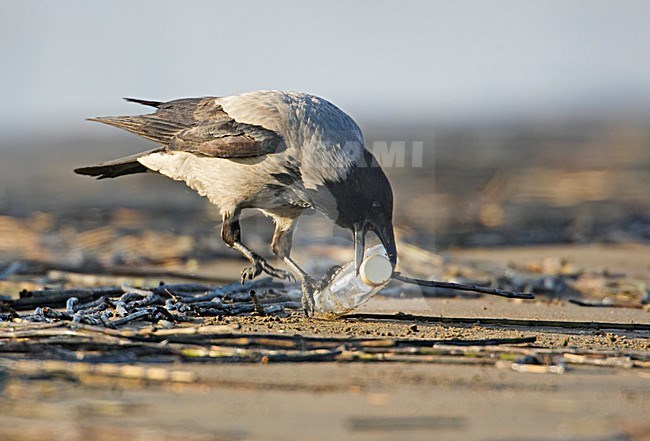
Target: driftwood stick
[(183, 288), (120, 309), (70, 304), (257, 306), (92, 307), (601, 304), (519, 323), (461, 287), (179, 293), (56, 297), (129, 318), (132, 289)]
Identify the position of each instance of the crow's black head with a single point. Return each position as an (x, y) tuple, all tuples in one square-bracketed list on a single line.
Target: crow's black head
[(363, 201)]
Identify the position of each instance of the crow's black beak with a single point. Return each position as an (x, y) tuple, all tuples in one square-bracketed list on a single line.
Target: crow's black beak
[(359, 245), (386, 236)]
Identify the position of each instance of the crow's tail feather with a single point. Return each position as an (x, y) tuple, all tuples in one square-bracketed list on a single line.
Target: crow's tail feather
[(149, 103), (150, 127), (118, 167)]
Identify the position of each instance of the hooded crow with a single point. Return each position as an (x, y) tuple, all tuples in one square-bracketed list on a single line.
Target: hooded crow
[(279, 152)]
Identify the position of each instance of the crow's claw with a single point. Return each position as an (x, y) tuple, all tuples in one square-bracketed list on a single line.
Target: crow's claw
[(259, 266), (310, 286), (330, 274)]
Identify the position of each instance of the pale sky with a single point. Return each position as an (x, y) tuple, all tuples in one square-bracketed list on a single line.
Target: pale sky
[(62, 61)]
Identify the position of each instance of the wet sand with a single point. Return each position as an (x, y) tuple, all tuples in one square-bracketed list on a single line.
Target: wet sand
[(451, 400), (529, 188)]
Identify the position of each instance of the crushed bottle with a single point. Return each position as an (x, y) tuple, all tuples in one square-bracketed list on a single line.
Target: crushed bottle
[(347, 290)]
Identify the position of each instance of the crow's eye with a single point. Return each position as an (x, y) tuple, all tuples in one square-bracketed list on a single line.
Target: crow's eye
[(376, 205)]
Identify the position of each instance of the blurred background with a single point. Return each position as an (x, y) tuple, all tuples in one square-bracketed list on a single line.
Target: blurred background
[(532, 117)]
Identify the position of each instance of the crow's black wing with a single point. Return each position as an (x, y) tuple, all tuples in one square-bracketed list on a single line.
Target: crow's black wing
[(199, 126), (227, 139)]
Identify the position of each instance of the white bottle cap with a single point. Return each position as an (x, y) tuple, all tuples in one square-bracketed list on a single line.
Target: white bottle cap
[(375, 270)]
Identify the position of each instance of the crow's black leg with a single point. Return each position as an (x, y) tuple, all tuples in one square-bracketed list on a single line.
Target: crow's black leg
[(282, 242), (231, 235), (281, 246)]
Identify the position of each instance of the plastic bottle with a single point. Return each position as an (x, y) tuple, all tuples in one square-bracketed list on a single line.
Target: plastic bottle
[(347, 290)]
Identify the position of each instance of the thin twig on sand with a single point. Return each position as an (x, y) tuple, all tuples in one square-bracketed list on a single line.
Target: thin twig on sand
[(462, 287)]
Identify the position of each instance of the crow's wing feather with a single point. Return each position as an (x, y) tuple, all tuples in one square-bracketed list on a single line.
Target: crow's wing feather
[(227, 139), (150, 127), (199, 126)]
